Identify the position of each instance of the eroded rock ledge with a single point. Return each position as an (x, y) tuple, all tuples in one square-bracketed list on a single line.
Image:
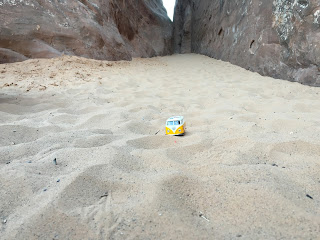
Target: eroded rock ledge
[(98, 29), (274, 38)]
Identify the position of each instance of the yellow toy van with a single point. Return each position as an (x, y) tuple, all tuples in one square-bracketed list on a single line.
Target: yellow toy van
[(175, 126)]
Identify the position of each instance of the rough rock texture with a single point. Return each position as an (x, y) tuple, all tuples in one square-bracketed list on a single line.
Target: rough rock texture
[(275, 38), (99, 29)]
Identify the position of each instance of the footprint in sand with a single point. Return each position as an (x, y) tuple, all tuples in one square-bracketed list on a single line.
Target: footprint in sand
[(127, 163), (138, 128), (89, 187), (153, 142), (93, 196), (183, 196), (93, 141), (188, 153)]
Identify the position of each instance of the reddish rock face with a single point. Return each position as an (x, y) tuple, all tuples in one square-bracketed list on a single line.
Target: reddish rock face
[(274, 38), (99, 29)]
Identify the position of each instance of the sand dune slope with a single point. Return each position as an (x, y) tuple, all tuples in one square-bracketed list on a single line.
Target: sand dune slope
[(248, 166)]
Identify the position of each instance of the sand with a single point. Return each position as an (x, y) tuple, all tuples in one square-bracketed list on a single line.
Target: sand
[(247, 168)]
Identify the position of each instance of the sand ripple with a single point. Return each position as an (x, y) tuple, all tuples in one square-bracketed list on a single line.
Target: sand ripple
[(84, 155)]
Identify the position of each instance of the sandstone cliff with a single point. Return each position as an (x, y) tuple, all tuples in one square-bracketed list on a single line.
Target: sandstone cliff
[(99, 29), (275, 38)]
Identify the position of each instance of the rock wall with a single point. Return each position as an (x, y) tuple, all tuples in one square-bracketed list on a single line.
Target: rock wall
[(274, 38), (99, 29)]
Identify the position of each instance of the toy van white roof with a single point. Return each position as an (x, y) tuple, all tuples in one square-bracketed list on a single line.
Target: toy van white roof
[(175, 118)]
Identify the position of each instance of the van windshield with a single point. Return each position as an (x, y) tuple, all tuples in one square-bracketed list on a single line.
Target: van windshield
[(170, 123), (176, 122)]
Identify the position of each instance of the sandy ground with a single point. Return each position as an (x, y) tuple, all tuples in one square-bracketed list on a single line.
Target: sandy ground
[(248, 167)]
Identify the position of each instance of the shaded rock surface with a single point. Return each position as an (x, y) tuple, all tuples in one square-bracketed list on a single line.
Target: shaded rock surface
[(99, 29), (274, 38)]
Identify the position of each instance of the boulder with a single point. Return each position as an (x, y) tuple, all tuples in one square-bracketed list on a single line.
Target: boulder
[(275, 38), (98, 29)]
